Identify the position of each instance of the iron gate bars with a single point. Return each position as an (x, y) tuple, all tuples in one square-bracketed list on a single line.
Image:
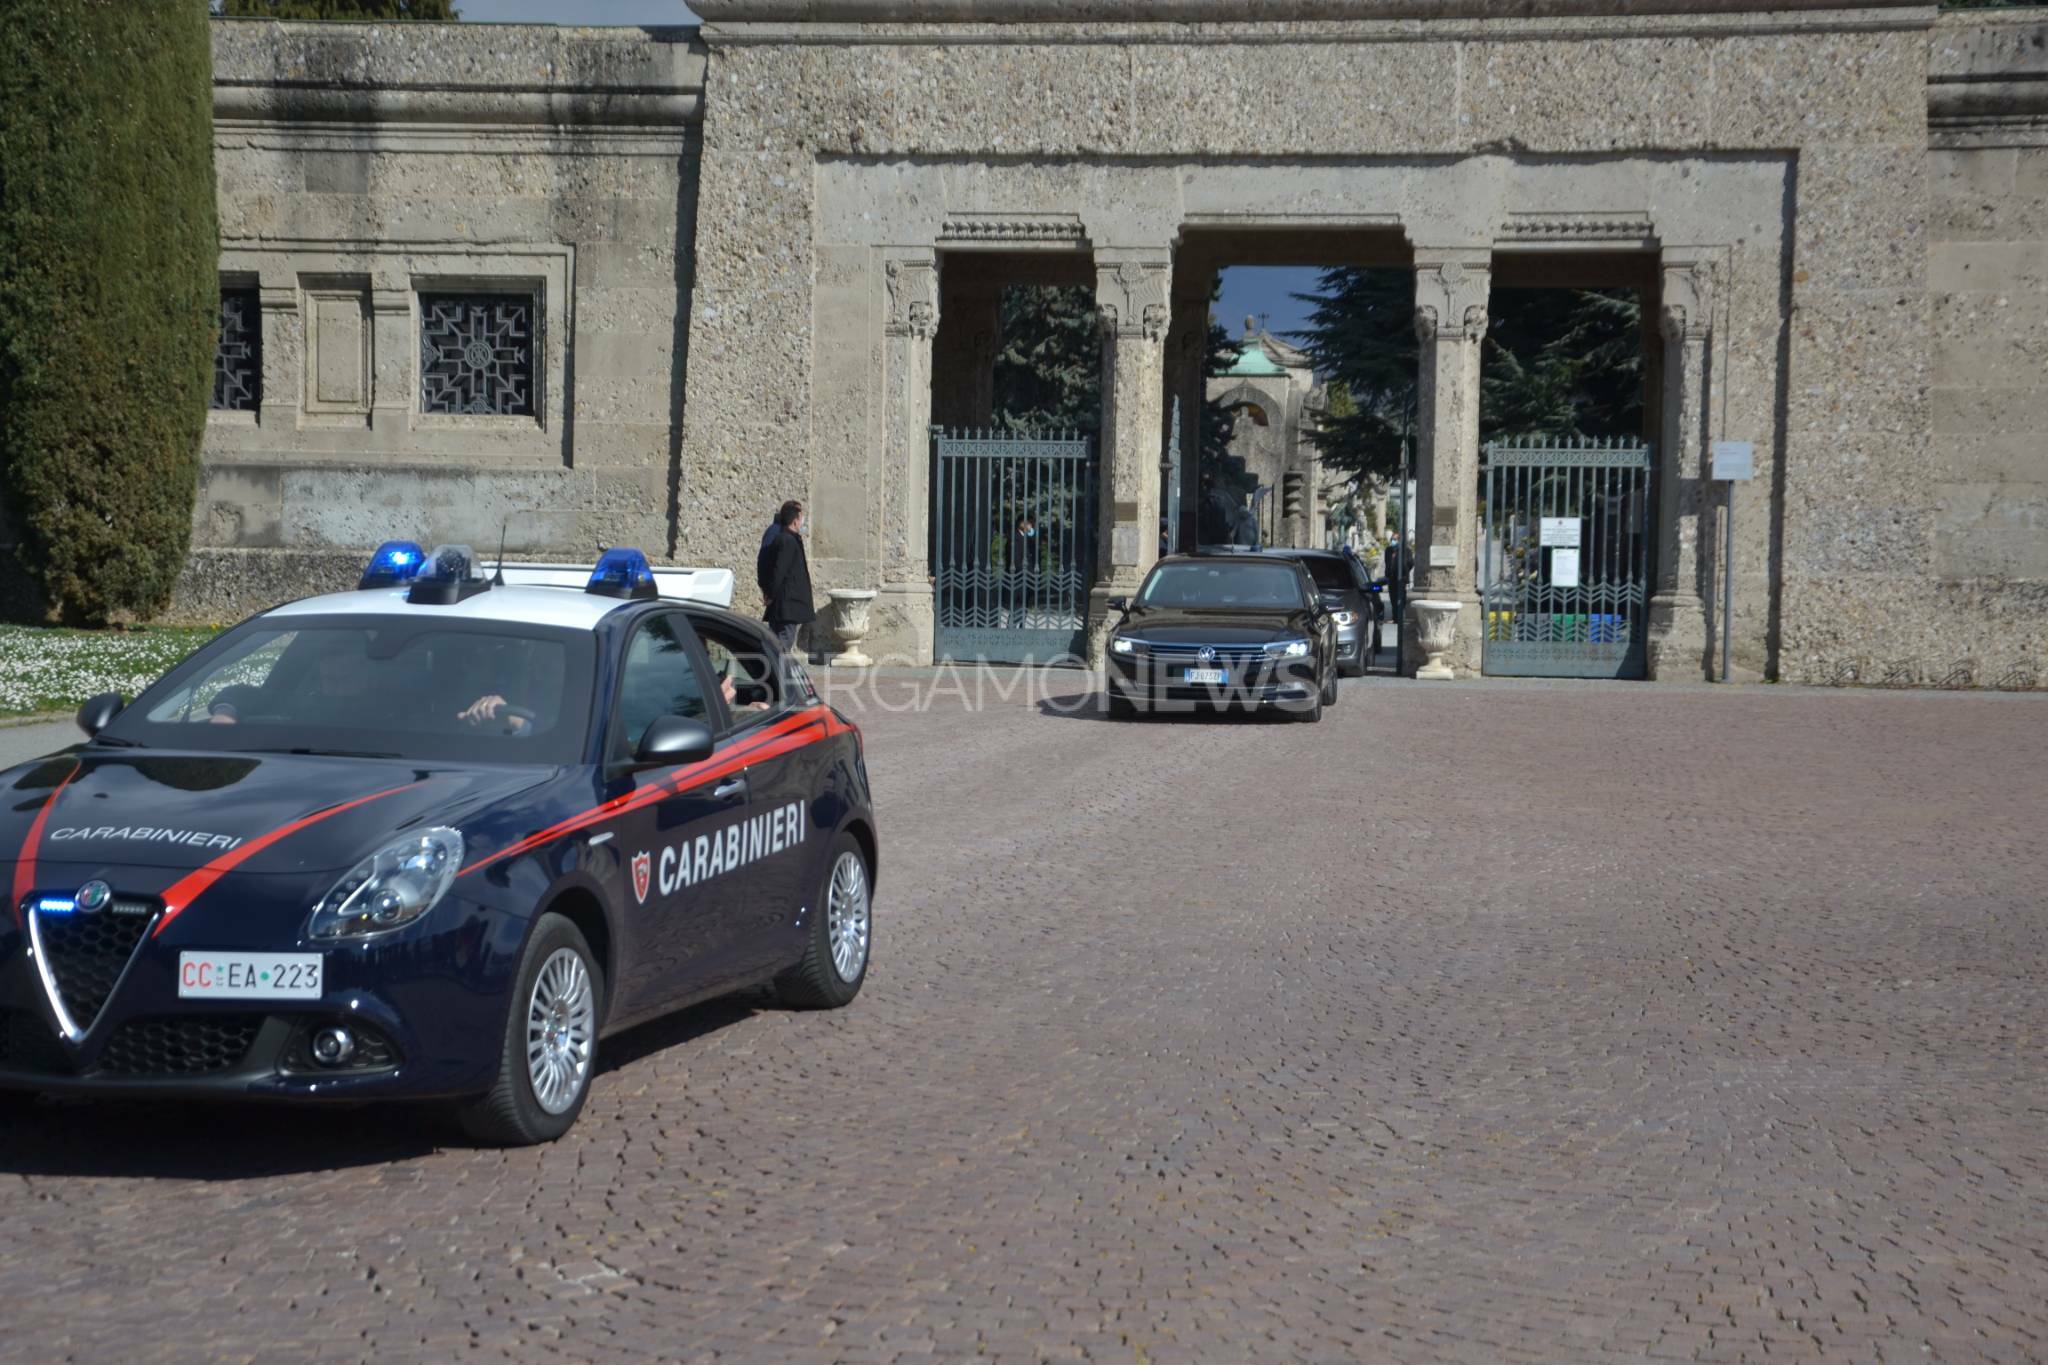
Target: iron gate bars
[(1008, 591), (1565, 557)]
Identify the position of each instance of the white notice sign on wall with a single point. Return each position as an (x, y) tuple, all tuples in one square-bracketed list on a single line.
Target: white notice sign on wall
[(1564, 568), (1559, 531)]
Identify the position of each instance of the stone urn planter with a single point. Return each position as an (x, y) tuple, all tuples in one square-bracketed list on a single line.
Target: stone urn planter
[(1436, 626), (852, 610)]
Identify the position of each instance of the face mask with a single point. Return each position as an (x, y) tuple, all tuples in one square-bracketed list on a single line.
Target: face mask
[(1030, 531)]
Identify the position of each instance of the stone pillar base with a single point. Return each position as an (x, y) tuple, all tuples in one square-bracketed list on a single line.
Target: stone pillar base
[(1100, 619), (904, 622), (1677, 641)]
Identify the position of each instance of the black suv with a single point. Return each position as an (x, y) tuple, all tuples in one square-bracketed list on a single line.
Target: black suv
[(1223, 630)]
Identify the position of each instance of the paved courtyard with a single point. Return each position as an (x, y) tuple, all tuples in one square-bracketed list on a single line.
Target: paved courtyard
[(1479, 1022)]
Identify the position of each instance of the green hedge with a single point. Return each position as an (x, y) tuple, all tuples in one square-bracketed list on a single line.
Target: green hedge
[(109, 296)]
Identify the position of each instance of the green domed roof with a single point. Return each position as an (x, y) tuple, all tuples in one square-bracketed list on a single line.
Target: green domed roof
[(1253, 363)]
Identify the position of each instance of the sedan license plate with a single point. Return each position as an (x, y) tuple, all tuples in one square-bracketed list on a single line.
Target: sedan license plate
[(249, 976), (1205, 675)]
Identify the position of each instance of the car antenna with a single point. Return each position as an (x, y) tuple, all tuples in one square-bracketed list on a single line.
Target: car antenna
[(498, 578)]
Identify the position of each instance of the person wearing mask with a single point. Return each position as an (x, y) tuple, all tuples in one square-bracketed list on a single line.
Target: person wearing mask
[(785, 577)]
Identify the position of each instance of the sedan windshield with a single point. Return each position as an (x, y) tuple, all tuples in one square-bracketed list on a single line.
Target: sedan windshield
[(384, 687), (1223, 583)]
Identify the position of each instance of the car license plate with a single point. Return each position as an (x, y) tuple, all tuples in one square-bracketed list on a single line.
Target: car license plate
[(249, 976), (1206, 675)]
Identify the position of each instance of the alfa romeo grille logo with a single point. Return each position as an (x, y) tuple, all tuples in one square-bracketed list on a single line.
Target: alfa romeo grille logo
[(1207, 654), (93, 897)]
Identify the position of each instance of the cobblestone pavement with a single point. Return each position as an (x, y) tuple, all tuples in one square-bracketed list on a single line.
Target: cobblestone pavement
[(1479, 1022)]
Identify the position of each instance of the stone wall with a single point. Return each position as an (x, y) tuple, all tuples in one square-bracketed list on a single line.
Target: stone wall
[(364, 167), (1842, 209), (1733, 144), (1985, 478)]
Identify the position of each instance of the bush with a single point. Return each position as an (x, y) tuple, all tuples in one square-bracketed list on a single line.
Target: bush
[(109, 296)]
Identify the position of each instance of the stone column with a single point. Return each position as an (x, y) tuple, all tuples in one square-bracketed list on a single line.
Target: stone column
[(1187, 343), (1130, 302), (284, 353), (903, 620), (1450, 319), (1677, 624), (964, 368), (393, 361)]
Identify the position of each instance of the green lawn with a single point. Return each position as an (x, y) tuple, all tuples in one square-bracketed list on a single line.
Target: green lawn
[(44, 669)]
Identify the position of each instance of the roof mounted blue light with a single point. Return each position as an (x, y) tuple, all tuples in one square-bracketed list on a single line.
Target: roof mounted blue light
[(622, 572), (448, 576), (395, 562)]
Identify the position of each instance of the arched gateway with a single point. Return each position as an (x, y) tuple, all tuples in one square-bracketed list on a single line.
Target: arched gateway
[(754, 261)]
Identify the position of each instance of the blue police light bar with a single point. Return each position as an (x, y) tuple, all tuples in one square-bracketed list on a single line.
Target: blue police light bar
[(622, 572), (396, 562), (55, 905)]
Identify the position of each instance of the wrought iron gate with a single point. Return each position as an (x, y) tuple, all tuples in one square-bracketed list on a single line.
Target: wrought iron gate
[(1006, 589), (1565, 555)]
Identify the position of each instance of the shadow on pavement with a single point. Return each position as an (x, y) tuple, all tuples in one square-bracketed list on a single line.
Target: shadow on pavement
[(672, 1030), (212, 1140)]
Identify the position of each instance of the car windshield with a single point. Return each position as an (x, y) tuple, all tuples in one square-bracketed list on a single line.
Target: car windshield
[(1222, 583), (387, 687)]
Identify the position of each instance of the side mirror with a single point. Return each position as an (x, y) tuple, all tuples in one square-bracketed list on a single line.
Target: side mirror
[(1117, 603), (672, 740), (99, 711)]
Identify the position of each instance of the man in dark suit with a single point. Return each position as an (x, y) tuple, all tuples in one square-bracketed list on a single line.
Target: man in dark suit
[(784, 574)]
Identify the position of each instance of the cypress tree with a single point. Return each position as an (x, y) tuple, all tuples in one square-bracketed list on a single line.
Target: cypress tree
[(109, 297)]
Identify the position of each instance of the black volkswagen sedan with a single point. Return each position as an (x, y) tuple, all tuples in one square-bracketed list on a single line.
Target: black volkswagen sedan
[(1223, 630)]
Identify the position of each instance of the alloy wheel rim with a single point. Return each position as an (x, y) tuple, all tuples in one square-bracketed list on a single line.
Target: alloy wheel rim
[(846, 917), (561, 1027)]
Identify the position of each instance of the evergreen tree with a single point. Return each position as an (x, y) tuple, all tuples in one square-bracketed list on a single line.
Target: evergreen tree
[(1049, 368), (109, 296), (1557, 362)]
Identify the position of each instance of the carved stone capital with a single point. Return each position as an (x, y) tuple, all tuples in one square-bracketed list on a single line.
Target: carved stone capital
[(913, 298), (1450, 301), (1687, 312), (1131, 297)]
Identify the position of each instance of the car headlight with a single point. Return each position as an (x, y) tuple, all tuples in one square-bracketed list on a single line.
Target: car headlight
[(1120, 645), (1288, 649), (391, 888), (1343, 618)]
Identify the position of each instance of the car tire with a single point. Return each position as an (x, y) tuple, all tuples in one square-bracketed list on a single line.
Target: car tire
[(1313, 712), (841, 935), (1355, 669), (557, 1003), (1329, 685)]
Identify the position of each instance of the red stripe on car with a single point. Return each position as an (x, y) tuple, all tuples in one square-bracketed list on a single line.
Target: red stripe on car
[(194, 884), (779, 738), (25, 862)]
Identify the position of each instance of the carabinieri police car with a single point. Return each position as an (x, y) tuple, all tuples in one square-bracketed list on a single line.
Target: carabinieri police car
[(433, 838)]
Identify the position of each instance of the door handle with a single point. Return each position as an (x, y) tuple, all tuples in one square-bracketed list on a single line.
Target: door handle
[(732, 786)]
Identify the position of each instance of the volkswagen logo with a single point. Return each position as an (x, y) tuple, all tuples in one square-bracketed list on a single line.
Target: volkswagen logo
[(93, 897), (1207, 654)]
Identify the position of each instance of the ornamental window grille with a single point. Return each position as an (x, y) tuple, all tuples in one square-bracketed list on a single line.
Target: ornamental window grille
[(238, 355), (476, 353)]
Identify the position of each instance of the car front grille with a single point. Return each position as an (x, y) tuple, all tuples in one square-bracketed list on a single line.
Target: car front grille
[(87, 953), (1179, 654), (181, 1045)]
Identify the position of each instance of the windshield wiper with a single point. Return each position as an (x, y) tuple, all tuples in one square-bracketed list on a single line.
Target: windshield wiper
[(338, 753)]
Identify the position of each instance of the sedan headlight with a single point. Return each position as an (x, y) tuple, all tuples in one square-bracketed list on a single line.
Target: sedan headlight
[(1120, 645), (1288, 649), (1343, 618), (391, 888)]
